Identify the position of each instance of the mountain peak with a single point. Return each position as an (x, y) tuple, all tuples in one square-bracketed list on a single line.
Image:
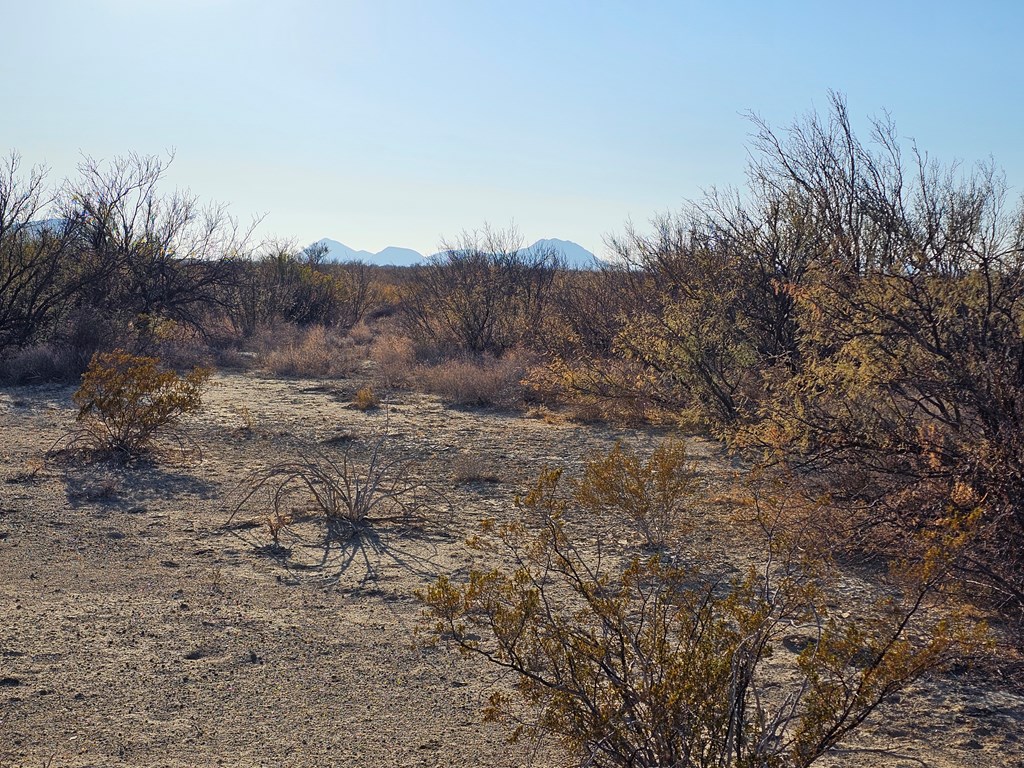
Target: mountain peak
[(390, 256), (574, 254)]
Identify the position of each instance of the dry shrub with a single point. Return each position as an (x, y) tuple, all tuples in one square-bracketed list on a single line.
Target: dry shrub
[(125, 401), (487, 381), (389, 300), (365, 399), (593, 390), (484, 294), (176, 345), (474, 468), (361, 334), (656, 496), (225, 344), (238, 359), (271, 336), (648, 664), (42, 363), (309, 352), (395, 360), (346, 493)]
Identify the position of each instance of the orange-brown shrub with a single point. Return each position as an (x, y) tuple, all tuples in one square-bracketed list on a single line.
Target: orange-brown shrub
[(648, 663), (656, 497), (125, 400), (598, 390)]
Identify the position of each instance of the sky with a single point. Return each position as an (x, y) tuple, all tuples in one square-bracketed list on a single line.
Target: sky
[(397, 122)]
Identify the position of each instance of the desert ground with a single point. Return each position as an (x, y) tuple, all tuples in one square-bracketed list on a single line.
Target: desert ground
[(147, 623)]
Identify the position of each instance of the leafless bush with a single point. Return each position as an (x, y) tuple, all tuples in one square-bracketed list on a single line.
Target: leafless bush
[(395, 360), (42, 362), (177, 345), (345, 492), (484, 294), (238, 359), (474, 468), (361, 335), (487, 381), (312, 351)]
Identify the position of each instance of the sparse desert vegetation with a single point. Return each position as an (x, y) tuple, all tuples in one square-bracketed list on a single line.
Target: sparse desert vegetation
[(721, 501)]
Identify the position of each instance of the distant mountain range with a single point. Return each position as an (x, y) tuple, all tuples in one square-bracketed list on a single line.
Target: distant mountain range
[(575, 255)]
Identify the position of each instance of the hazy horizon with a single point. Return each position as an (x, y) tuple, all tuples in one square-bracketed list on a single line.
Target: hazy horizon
[(402, 123)]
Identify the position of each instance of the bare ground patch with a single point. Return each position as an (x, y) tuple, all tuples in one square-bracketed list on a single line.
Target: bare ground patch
[(138, 630)]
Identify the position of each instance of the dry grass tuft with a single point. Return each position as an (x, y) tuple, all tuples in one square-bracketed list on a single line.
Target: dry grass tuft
[(471, 468), (394, 360), (486, 382), (314, 352)]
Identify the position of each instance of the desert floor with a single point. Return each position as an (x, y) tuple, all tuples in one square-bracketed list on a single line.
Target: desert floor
[(139, 629)]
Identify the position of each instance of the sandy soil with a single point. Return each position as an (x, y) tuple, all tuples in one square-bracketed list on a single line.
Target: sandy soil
[(137, 630)]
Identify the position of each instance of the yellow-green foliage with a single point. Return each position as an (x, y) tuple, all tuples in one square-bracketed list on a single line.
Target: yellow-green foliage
[(654, 665), (656, 496), (366, 399), (125, 400)]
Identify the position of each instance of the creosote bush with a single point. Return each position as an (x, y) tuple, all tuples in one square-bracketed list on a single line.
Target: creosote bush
[(656, 496), (126, 400), (649, 664), (365, 399)]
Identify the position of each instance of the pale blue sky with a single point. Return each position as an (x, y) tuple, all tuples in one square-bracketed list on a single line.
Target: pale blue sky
[(399, 122)]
